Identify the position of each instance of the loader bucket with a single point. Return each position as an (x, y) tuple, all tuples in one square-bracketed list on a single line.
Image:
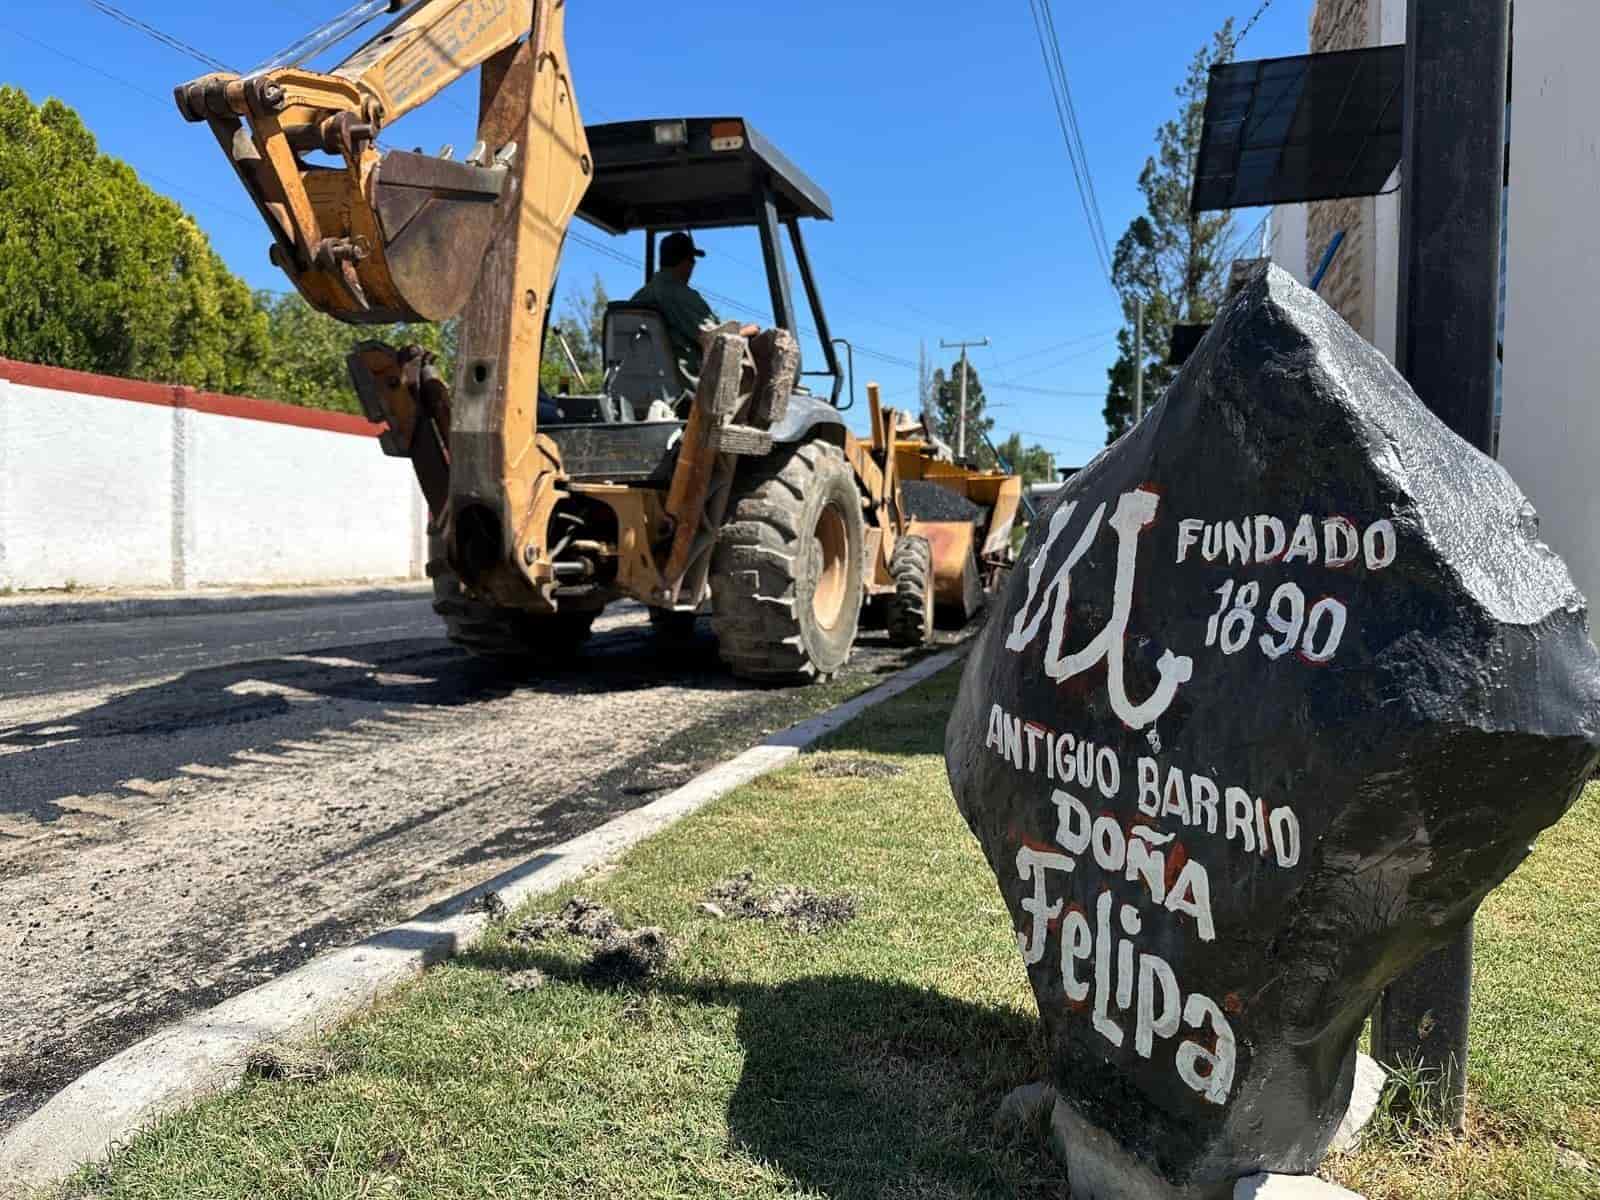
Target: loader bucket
[(957, 582), (436, 218)]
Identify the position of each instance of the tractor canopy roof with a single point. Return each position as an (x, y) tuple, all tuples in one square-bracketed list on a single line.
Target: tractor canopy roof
[(692, 173)]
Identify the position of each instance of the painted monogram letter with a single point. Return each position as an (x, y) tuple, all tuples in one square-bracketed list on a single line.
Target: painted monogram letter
[(1135, 512)]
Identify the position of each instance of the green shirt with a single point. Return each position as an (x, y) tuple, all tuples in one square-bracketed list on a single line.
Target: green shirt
[(684, 311)]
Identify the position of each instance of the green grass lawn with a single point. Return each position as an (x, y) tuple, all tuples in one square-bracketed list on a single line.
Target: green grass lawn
[(863, 1061)]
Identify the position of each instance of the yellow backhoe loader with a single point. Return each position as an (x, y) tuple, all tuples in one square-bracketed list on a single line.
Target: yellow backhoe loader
[(738, 491)]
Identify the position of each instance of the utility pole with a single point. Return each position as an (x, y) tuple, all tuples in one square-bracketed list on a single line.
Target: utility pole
[(1452, 167), (961, 417), (1138, 363)]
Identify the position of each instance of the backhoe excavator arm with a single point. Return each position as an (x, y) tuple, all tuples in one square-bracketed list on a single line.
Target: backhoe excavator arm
[(396, 236)]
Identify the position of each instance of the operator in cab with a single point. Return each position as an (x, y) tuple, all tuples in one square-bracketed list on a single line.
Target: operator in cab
[(682, 308)]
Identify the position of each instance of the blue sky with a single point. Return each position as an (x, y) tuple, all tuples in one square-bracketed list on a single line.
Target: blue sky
[(929, 125)]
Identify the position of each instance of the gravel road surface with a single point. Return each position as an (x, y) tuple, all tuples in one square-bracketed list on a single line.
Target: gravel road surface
[(190, 805)]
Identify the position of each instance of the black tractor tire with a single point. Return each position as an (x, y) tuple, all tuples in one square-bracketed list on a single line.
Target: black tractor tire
[(911, 606), (504, 635), (786, 579)]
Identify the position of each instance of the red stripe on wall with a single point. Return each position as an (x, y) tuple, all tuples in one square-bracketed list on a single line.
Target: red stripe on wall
[(137, 391)]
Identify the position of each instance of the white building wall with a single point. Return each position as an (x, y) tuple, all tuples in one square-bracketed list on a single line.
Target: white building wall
[(1287, 247), (88, 491), (276, 504), (102, 492), (1388, 19), (1550, 427)]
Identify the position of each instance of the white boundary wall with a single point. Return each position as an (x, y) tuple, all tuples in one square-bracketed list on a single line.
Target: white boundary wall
[(117, 484), (1550, 422)]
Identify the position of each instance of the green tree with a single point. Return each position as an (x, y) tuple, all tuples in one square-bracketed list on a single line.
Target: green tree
[(582, 326), (100, 273), (1174, 260), (306, 365), (1034, 463), (947, 411)]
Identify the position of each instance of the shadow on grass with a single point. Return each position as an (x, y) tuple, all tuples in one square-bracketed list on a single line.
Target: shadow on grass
[(857, 1087)]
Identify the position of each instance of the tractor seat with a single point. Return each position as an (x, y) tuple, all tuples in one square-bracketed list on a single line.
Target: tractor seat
[(639, 364)]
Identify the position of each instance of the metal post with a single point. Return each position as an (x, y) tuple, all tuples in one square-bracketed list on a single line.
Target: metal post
[(1452, 171), (961, 417), (961, 421), (1138, 364)]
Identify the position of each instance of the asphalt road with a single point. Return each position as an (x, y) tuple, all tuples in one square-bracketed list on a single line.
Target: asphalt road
[(190, 805), (62, 658)]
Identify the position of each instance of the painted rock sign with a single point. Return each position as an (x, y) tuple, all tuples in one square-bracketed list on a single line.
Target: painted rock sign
[(1285, 686)]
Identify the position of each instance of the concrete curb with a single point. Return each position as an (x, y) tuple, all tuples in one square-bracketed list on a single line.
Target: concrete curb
[(28, 613), (205, 1053)]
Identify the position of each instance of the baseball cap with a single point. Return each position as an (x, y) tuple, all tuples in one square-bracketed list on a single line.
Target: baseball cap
[(676, 247)]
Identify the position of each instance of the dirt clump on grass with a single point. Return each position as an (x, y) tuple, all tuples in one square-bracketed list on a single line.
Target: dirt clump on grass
[(492, 905), (578, 917), (856, 768), (620, 956), (801, 909), (628, 956)]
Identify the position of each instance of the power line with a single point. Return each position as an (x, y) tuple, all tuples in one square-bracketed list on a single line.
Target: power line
[(1056, 437), (1250, 24), (1038, 391), (166, 39), (176, 190), (164, 101), (1073, 341), (1061, 362), (1077, 131), (1071, 133)]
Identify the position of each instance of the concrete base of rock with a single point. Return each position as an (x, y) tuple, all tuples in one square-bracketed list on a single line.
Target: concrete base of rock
[(1290, 1187), (1098, 1168), (1024, 1105), (1364, 1097)]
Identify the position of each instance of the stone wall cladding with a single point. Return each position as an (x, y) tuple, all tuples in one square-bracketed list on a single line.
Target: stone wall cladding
[(1349, 286)]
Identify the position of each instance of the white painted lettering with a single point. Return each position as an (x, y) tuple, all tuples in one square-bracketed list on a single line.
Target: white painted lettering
[(1151, 1022), (1077, 944), (1073, 823), (1241, 820), (1174, 800), (1285, 836), (1103, 1024), (1279, 539), (1034, 733), (1108, 773), (1216, 1080), (1188, 534), (1380, 545), (1149, 788), (1013, 732), (1203, 799), (1191, 895), (1032, 864), (1304, 542), (1340, 542), (1110, 847), (996, 738)]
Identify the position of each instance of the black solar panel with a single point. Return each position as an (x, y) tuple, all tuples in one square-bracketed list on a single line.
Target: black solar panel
[(1311, 127)]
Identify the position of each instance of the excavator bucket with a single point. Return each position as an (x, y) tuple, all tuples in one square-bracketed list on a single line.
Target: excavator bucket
[(436, 218), (387, 235)]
